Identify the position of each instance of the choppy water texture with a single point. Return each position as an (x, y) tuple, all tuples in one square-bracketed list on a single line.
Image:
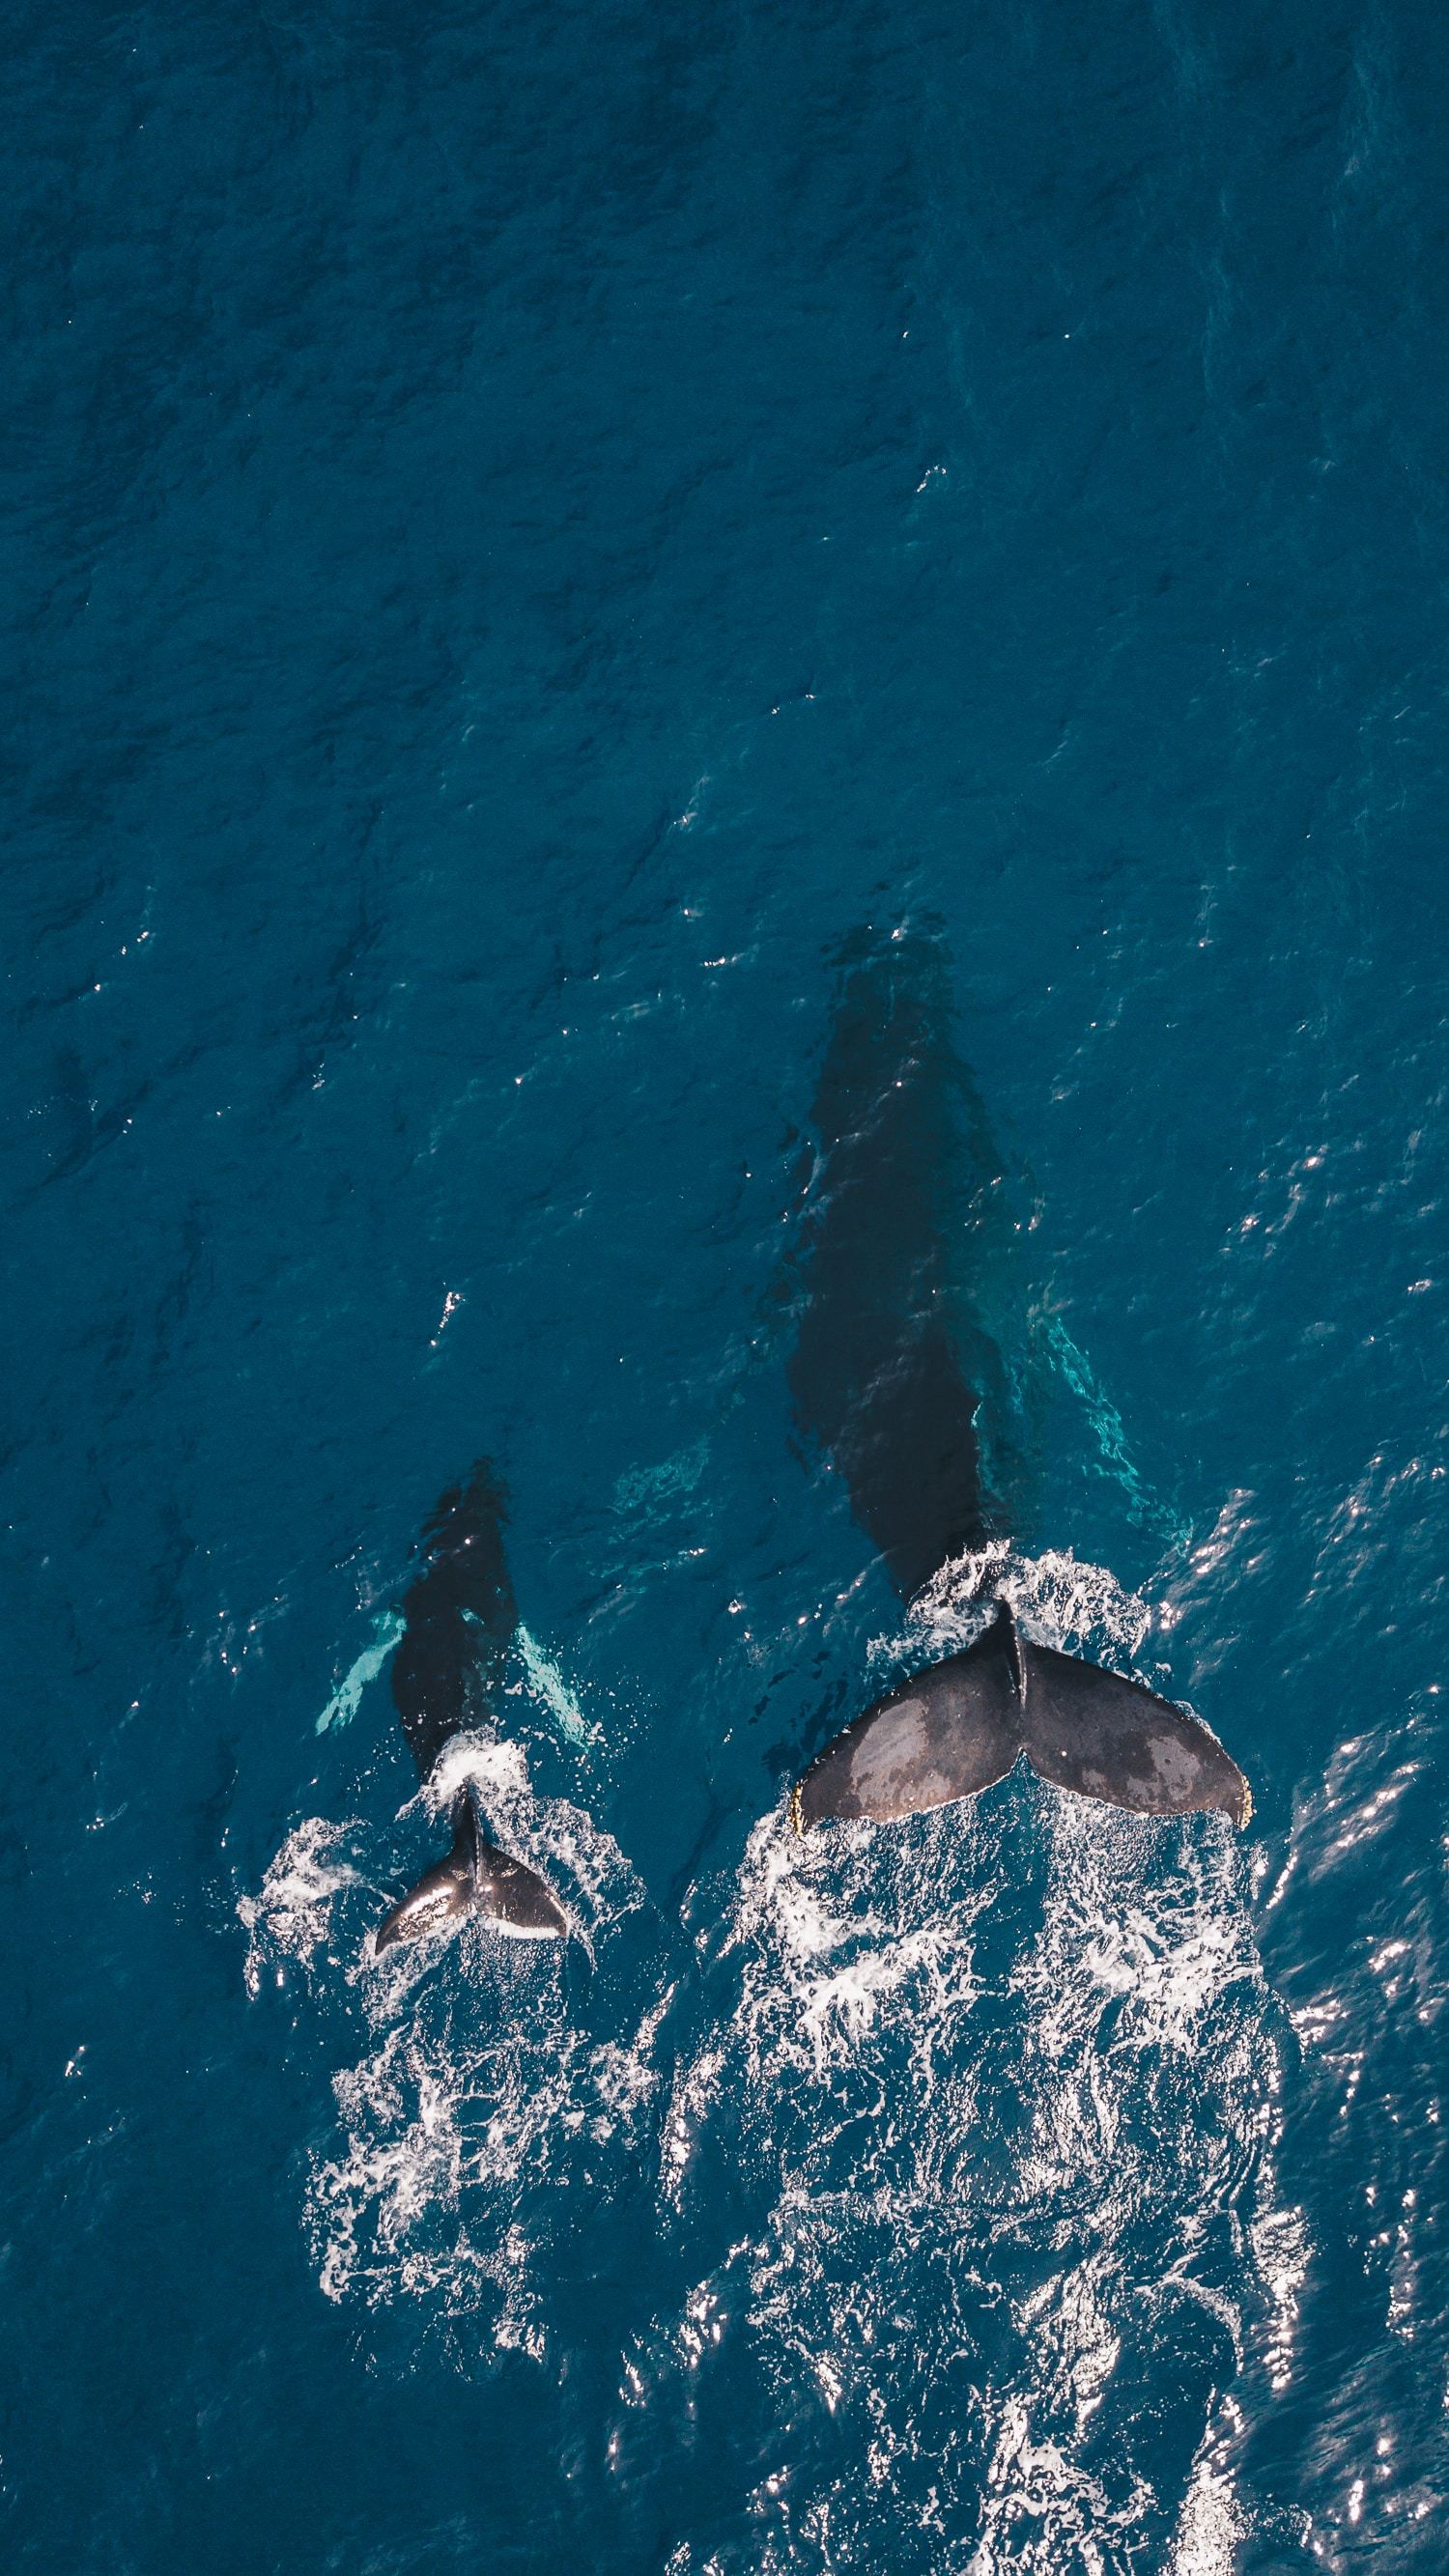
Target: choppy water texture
[(522, 527)]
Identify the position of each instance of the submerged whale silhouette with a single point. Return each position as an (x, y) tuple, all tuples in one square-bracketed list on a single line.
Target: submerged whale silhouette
[(460, 1615), (896, 1381)]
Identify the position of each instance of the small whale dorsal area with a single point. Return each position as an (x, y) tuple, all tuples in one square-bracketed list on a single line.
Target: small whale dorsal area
[(459, 1618)]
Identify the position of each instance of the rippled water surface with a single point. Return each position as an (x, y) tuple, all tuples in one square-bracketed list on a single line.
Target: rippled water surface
[(523, 527)]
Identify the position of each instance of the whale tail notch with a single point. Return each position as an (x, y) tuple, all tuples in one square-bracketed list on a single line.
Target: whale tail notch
[(962, 1724), (475, 1878)]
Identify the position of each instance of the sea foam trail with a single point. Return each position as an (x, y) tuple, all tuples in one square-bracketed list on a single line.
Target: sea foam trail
[(483, 2103), (992, 2097), (476, 2135), (290, 1917), (1002, 2085)]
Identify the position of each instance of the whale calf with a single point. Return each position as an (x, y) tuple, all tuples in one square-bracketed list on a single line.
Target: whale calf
[(459, 1616), (895, 1381)]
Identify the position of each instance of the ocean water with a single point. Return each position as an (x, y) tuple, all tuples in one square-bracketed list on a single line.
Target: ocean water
[(522, 527)]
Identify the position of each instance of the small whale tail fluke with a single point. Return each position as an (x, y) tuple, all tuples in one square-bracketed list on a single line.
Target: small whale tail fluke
[(476, 1878), (961, 1725)]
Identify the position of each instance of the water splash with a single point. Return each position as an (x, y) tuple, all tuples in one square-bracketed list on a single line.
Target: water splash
[(1059, 1599), (484, 2114), (291, 1914), (483, 2132), (1003, 2085)]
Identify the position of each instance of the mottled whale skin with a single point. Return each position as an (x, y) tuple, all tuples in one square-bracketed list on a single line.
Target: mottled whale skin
[(961, 1725), (892, 1380), (459, 1616)]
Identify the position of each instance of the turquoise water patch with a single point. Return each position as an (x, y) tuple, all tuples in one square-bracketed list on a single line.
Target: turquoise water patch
[(650, 1491), (543, 1676), (548, 1685), (1110, 1435), (342, 1707)]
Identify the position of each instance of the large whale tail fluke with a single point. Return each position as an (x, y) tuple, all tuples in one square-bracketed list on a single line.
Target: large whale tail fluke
[(476, 1878), (962, 1724)]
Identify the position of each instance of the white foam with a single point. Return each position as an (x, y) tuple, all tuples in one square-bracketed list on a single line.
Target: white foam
[(291, 1913), (465, 2134), (1059, 1599), (998, 2088), (479, 2101), (1211, 2527), (1013, 2055)]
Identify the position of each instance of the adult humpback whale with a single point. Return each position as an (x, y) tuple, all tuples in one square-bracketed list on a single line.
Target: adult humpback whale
[(459, 1616), (895, 1378)]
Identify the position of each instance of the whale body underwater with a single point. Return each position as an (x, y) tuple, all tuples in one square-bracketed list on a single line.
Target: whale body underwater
[(894, 1376), (899, 1386)]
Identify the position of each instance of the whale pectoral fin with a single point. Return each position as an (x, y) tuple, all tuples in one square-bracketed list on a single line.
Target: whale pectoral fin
[(1103, 1736), (476, 1878), (953, 1730)]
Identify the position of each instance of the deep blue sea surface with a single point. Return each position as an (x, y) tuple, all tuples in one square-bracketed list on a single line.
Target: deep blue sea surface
[(522, 526)]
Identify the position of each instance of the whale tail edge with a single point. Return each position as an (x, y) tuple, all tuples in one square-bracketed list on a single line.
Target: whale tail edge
[(961, 1725), (1104, 1736), (474, 1878)]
